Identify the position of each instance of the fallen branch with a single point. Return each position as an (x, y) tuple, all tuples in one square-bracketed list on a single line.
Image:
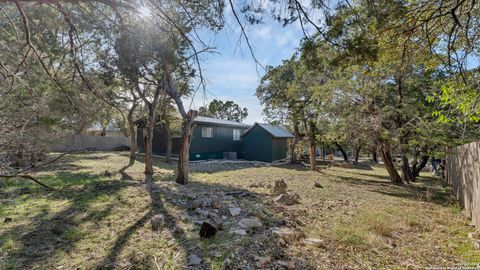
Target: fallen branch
[(26, 176)]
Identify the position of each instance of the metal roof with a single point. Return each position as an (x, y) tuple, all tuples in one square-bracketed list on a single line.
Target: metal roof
[(221, 122), (275, 131)]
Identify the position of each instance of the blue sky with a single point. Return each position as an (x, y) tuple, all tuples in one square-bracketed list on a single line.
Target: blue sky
[(231, 74)]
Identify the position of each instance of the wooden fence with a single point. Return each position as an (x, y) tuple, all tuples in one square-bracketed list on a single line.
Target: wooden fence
[(463, 173), (89, 143)]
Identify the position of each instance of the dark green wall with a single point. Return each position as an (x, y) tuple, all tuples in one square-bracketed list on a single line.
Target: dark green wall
[(200, 148), (279, 148), (257, 145)]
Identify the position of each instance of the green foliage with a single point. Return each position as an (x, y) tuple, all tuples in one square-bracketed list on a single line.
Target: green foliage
[(227, 110)]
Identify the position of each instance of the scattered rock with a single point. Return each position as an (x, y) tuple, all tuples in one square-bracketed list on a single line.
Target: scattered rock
[(196, 204), (238, 231), (476, 244), (472, 235), (288, 199), (313, 241), (8, 219), (215, 204), (263, 261), (286, 234), (209, 228), (193, 260), (234, 211), (106, 173), (318, 185), (280, 188), (250, 223), (157, 222)]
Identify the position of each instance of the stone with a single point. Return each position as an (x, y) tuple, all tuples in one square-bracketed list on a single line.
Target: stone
[(209, 228), (476, 244), (318, 185), (196, 204), (313, 241), (250, 223), (288, 199), (472, 235), (280, 188), (286, 234), (238, 231), (215, 204), (234, 211), (262, 261), (193, 260), (157, 222)]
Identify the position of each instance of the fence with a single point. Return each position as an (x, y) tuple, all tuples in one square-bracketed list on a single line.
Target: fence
[(89, 143), (463, 173)]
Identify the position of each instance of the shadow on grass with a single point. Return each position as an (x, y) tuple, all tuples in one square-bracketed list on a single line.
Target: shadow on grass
[(52, 234)]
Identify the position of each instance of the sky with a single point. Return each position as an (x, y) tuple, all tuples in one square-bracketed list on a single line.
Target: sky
[(231, 72)]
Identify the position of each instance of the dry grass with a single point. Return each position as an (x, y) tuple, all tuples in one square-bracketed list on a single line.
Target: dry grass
[(99, 221)]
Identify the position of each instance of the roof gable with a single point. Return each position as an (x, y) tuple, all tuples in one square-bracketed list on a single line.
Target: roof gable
[(274, 131)]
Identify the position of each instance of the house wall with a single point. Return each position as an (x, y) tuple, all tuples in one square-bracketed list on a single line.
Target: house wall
[(258, 145), (200, 148), (279, 148)]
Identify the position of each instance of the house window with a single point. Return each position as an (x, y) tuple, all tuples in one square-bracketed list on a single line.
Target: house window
[(207, 132), (236, 134)]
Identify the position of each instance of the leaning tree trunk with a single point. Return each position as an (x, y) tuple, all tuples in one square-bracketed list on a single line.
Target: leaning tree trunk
[(293, 145), (389, 165), (187, 129), (419, 167), (374, 156), (344, 154)]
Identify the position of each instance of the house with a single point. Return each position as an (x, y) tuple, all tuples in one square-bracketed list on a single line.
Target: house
[(264, 142), (211, 139)]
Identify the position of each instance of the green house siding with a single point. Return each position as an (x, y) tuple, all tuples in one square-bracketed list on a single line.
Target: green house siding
[(213, 148), (279, 148), (257, 145)]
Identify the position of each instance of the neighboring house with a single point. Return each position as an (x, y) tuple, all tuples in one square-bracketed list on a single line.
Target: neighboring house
[(217, 139), (264, 142), (211, 139)]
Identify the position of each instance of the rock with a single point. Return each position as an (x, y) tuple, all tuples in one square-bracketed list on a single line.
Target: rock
[(193, 260), (202, 213), (313, 241), (209, 228), (286, 234), (234, 211), (289, 199), (318, 185), (238, 231), (476, 244), (472, 235), (263, 261), (157, 222), (215, 204), (106, 173), (250, 223), (280, 188), (196, 204)]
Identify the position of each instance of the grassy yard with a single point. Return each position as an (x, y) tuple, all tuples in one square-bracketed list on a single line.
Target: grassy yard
[(98, 220)]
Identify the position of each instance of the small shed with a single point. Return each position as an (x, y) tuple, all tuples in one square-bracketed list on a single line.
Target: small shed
[(264, 142)]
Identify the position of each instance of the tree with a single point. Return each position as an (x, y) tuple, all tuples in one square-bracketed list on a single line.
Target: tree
[(227, 110)]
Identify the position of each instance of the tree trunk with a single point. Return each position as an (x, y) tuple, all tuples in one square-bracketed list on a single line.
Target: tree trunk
[(389, 165), (168, 137), (374, 156), (150, 126), (187, 129), (357, 152), (419, 168), (407, 174), (293, 145), (344, 154), (133, 136)]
